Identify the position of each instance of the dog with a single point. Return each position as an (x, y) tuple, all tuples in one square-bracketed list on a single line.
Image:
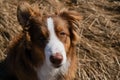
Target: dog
[(46, 48)]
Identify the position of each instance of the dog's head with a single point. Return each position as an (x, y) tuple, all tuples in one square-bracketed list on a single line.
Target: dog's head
[(51, 36)]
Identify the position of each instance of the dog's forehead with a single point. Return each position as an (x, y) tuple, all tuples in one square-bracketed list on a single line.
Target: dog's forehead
[(50, 23), (57, 22)]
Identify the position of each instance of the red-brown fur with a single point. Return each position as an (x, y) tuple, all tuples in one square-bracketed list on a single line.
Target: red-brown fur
[(24, 53)]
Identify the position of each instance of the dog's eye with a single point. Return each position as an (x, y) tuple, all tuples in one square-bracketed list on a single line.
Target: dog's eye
[(63, 36), (41, 41), (41, 38), (62, 33)]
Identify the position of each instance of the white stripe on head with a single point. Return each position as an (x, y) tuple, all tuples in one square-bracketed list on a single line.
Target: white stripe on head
[(50, 25), (54, 45), (47, 71)]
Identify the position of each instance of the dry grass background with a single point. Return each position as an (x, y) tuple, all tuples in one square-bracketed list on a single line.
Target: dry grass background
[(99, 46)]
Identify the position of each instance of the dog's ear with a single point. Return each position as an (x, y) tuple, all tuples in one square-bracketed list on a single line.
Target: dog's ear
[(73, 18), (24, 12)]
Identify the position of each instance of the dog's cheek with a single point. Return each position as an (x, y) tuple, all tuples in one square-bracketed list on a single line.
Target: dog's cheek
[(67, 44)]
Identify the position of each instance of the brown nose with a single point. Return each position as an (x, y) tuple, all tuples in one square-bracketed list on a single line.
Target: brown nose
[(56, 59)]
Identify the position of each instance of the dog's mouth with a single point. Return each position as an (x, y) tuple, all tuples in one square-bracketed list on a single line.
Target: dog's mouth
[(56, 66)]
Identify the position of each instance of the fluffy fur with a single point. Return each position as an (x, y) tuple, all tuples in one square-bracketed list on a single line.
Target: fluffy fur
[(28, 57)]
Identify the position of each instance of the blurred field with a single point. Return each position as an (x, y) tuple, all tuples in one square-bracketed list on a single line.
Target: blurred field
[(99, 46)]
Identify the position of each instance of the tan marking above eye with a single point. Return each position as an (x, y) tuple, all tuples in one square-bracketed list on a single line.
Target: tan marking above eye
[(62, 31), (62, 36)]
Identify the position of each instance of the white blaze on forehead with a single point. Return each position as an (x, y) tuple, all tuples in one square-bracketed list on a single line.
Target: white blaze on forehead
[(54, 45), (50, 25)]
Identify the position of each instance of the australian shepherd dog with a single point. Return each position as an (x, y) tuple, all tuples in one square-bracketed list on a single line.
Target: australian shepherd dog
[(45, 49)]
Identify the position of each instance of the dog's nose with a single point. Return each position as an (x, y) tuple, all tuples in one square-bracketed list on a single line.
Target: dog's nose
[(56, 59)]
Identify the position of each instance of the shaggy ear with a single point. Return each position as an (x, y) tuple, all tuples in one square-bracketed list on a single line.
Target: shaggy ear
[(24, 12), (70, 15), (73, 19)]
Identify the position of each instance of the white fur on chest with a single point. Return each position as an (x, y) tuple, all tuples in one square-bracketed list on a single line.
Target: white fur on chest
[(49, 73)]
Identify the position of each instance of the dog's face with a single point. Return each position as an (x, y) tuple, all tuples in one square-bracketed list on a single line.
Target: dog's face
[(51, 36)]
